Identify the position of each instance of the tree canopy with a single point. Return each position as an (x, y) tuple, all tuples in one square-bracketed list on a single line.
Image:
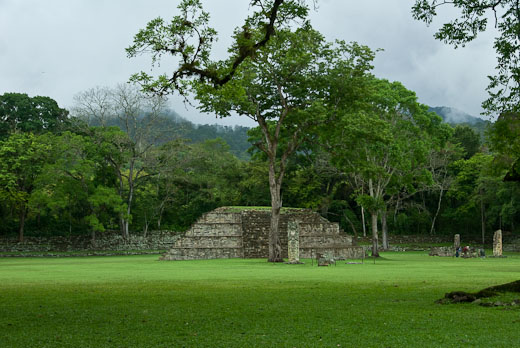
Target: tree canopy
[(189, 38), (21, 113)]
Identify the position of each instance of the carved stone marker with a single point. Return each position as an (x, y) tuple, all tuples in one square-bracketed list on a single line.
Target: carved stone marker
[(497, 243), (456, 242), (293, 242)]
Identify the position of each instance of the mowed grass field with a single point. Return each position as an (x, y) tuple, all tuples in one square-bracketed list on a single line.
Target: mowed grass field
[(137, 301)]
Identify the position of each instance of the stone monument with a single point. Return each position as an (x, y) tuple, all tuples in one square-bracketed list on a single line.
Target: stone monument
[(456, 242), (497, 244), (293, 242)]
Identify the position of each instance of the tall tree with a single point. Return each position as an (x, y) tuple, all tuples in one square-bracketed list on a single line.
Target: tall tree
[(272, 75), (475, 188), (440, 159), (468, 139), (289, 89), (22, 157), (130, 153), (21, 113), (75, 182), (193, 179), (381, 144), (504, 140)]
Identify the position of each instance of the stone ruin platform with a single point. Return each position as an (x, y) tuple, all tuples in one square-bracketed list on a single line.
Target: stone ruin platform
[(241, 232)]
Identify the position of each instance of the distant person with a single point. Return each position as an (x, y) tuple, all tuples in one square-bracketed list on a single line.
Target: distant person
[(457, 252)]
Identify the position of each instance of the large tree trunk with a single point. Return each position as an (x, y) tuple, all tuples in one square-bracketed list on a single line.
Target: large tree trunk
[(146, 224), (123, 226), (482, 219), (432, 229), (275, 248), (126, 234), (363, 222), (375, 237), (384, 228), (126, 222), (352, 226), (23, 212)]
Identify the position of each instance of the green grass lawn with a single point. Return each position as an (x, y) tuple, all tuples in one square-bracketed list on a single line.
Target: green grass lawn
[(137, 301)]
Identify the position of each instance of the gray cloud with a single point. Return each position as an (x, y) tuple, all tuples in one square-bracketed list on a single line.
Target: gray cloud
[(59, 48)]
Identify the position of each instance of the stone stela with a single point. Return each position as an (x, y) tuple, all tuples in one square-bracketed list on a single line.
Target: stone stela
[(456, 242), (497, 244), (293, 242)]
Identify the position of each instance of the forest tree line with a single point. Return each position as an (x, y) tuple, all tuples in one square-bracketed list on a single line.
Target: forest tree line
[(125, 165)]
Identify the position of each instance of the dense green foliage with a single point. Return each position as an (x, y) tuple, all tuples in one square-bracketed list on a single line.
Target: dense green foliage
[(139, 302), (344, 142), (19, 112), (65, 182)]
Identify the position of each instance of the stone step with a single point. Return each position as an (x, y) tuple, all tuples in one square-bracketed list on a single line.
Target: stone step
[(209, 241), (221, 218), (327, 239), (352, 252), (217, 230), (202, 253)]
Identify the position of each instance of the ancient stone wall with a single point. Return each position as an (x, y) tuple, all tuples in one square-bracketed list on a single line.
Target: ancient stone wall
[(108, 241), (444, 251), (215, 235), (223, 233), (323, 237), (511, 242), (255, 228), (230, 232)]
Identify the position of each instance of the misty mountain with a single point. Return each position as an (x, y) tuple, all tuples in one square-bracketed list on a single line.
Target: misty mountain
[(454, 117), (236, 136)]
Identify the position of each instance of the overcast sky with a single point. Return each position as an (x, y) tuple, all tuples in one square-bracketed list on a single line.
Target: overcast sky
[(58, 48)]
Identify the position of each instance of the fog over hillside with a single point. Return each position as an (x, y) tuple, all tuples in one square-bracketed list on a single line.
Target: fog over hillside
[(455, 116)]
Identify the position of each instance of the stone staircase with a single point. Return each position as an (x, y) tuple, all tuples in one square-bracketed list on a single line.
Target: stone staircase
[(215, 235)]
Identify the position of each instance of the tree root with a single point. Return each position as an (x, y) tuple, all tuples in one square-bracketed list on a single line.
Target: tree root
[(464, 297)]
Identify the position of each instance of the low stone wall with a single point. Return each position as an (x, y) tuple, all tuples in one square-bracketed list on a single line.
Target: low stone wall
[(411, 240), (110, 241), (194, 253), (442, 251), (511, 243), (511, 247)]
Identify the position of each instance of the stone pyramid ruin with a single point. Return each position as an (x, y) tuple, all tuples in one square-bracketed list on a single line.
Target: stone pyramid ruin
[(241, 232)]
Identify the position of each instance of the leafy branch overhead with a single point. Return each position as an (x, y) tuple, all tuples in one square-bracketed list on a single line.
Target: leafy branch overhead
[(189, 39), (504, 87)]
